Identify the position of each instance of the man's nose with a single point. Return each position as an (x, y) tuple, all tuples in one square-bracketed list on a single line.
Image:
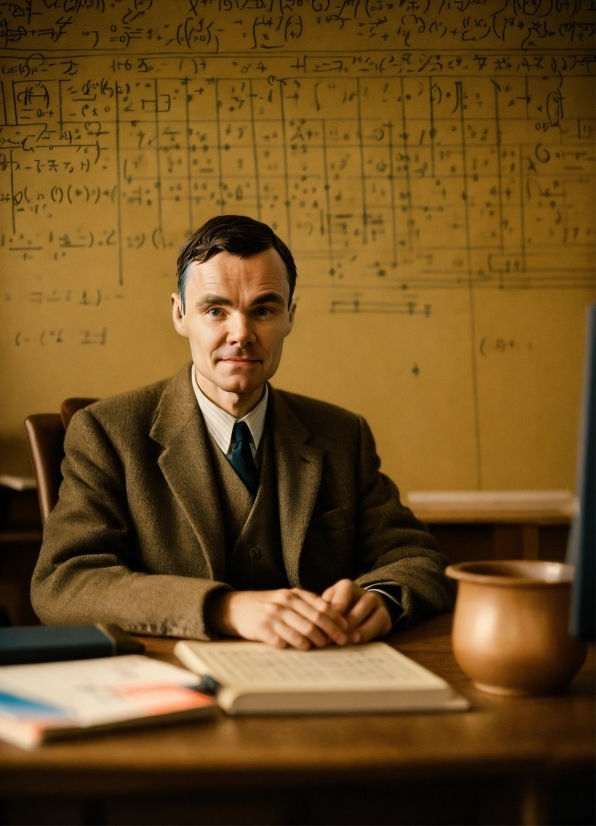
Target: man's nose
[(240, 330)]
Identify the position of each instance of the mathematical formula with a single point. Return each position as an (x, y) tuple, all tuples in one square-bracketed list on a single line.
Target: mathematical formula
[(265, 26), (419, 183), (429, 162)]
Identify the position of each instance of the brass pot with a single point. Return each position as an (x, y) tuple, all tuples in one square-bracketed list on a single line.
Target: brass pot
[(510, 630)]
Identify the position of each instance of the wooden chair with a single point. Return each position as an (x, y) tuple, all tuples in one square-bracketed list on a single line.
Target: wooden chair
[(45, 438)]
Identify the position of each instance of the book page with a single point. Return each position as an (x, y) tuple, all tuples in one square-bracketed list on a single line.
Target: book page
[(251, 665), (104, 689)]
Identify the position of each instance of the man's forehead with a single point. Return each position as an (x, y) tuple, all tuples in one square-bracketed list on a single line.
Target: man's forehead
[(265, 270)]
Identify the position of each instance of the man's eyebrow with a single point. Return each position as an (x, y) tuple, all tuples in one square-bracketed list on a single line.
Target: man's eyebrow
[(266, 298), (269, 298), (209, 299)]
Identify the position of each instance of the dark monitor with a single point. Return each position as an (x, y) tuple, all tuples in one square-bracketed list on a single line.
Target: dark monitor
[(581, 551)]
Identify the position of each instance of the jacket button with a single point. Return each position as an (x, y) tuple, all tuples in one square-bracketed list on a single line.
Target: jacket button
[(254, 553)]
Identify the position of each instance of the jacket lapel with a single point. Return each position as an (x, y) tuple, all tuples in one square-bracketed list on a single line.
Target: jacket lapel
[(299, 468), (186, 465)]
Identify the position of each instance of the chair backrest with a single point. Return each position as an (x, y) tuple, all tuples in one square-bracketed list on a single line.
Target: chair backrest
[(70, 406), (45, 437)]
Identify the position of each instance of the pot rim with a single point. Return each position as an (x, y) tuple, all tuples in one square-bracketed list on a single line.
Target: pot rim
[(561, 574)]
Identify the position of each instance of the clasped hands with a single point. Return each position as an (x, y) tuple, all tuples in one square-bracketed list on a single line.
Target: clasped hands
[(293, 617)]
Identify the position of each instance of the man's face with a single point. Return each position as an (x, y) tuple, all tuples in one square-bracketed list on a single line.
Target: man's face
[(236, 319)]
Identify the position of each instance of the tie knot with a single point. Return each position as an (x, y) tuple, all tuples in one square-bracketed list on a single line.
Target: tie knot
[(241, 433)]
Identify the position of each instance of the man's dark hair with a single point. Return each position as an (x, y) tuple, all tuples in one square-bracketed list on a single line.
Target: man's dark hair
[(238, 235)]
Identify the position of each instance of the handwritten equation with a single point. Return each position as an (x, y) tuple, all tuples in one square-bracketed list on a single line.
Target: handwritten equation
[(392, 168), (44, 338), (481, 179), (429, 162), (265, 26)]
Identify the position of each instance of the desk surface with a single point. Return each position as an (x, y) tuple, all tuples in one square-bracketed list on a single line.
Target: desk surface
[(541, 735)]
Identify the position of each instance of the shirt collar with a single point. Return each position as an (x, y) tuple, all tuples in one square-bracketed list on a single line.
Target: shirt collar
[(220, 423)]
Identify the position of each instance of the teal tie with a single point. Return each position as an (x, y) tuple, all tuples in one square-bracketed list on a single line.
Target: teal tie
[(241, 457)]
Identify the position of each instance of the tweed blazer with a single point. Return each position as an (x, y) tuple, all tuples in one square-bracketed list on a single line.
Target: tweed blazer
[(137, 535)]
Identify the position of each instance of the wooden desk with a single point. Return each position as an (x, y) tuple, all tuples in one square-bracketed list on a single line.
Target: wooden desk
[(506, 761)]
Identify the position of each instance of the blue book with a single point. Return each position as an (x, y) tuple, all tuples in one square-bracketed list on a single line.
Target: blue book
[(42, 644)]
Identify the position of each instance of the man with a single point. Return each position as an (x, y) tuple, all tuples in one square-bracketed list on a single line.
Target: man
[(211, 504)]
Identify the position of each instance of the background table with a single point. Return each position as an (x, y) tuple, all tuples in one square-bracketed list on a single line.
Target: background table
[(515, 524), (509, 760)]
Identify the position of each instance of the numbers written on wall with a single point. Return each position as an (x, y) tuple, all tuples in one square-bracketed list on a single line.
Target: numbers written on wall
[(401, 149)]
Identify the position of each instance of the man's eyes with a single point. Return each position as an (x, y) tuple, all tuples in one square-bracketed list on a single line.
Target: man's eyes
[(260, 312)]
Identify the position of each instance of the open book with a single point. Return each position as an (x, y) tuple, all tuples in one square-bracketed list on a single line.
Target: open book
[(255, 678), (51, 701)]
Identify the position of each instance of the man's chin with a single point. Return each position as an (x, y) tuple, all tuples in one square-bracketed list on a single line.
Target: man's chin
[(240, 385)]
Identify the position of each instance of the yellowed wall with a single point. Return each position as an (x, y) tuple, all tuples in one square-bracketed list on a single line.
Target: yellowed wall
[(430, 163)]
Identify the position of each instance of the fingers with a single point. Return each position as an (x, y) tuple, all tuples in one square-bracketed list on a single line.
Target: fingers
[(301, 619), (365, 611), (376, 625), (342, 595), (297, 632), (313, 617), (368, 619), (288, 617), (305, 620), (325, 611)]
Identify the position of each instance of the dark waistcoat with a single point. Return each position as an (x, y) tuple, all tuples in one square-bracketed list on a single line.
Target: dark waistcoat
[(254, 558)]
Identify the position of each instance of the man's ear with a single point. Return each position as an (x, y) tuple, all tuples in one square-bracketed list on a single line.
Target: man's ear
[(178, 315), (291, 316)]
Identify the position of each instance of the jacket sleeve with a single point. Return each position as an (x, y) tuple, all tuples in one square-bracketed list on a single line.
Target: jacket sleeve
[(392, 546), (88, 569)]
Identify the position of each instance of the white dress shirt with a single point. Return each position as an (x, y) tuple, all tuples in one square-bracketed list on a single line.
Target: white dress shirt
[(220, 423)]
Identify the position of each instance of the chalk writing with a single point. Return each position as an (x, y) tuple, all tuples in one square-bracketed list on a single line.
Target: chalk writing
[(501, 345), (412, 154), (269, 26), (356, 305), (366, 176), (44, 337)]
